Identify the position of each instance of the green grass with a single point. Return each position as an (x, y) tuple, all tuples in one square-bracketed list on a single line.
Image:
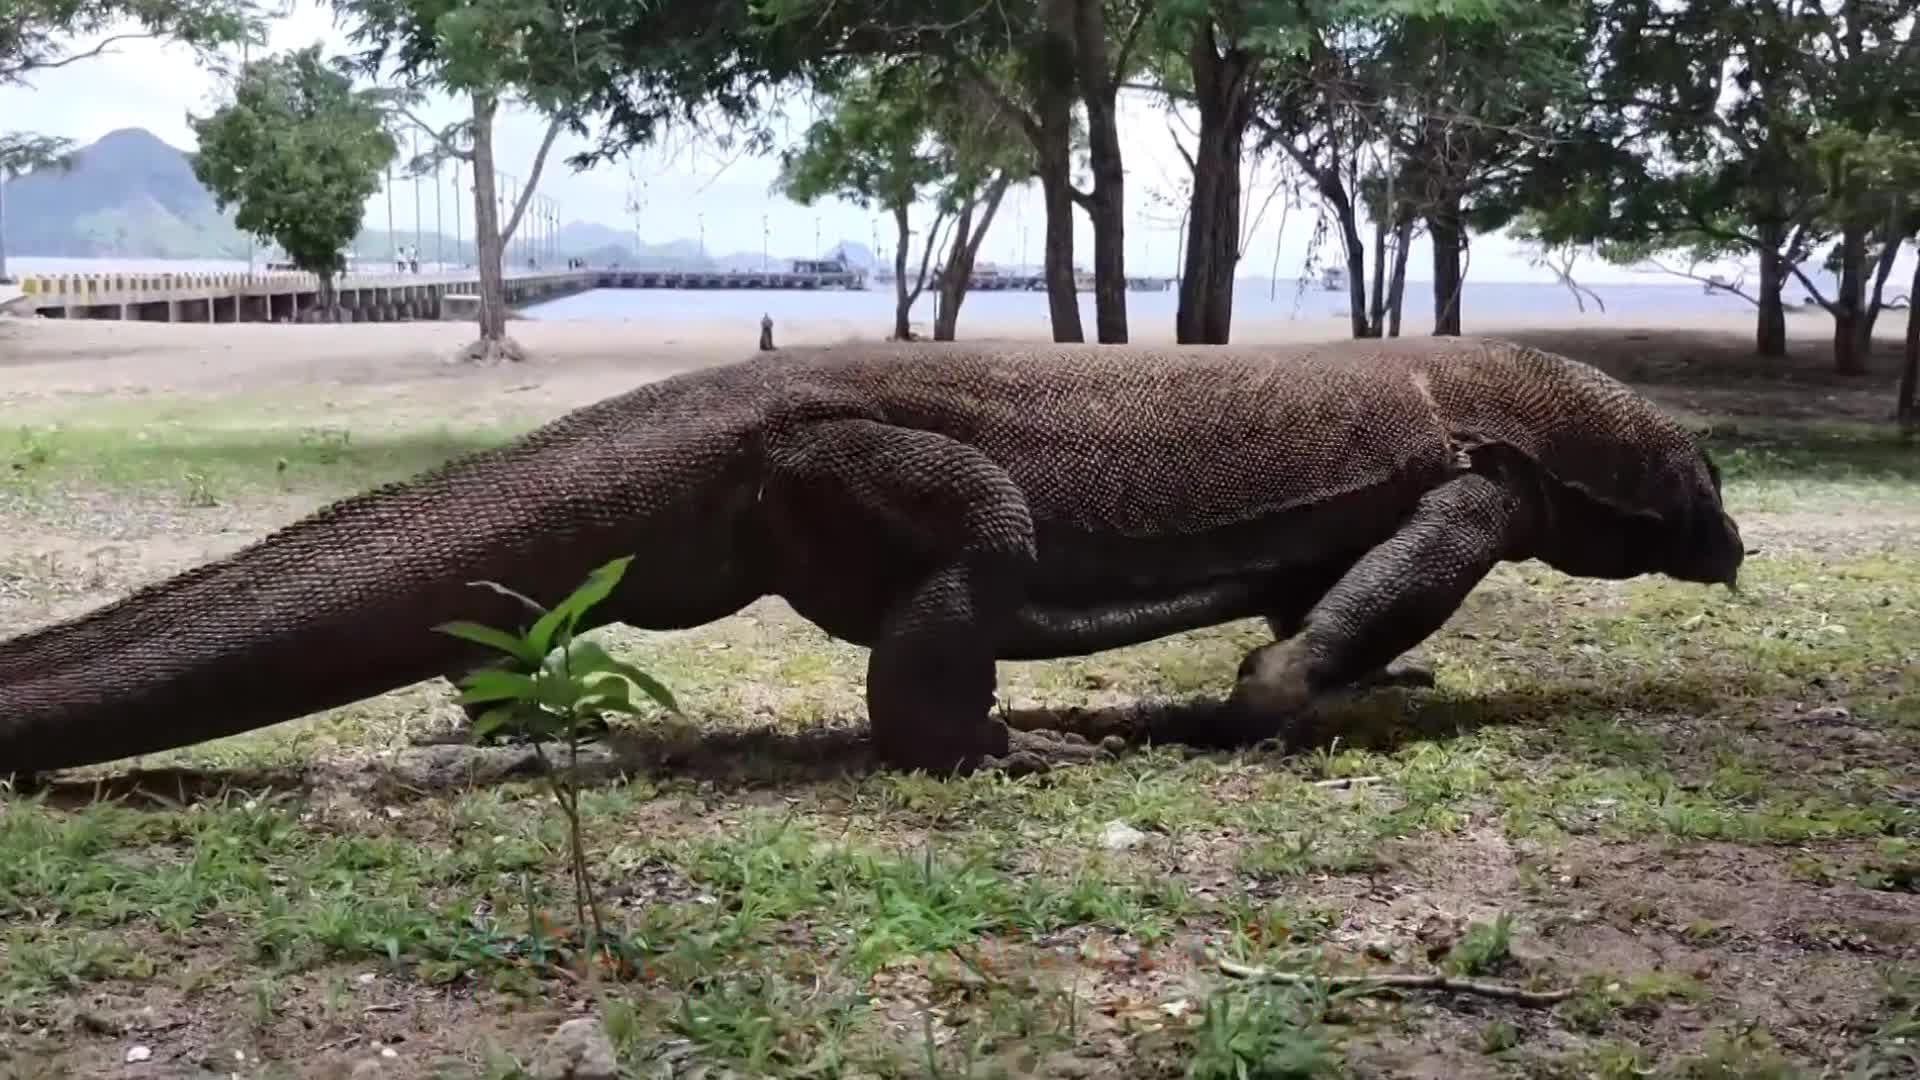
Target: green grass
[(205, 454), (1781, 466)]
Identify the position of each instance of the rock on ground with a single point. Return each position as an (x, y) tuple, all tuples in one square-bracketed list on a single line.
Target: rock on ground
[(577, 1050)]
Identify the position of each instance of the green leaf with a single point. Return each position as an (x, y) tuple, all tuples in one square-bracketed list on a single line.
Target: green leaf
[(479, 634), (609, 693), (484, 686), (491, 721), (558, 693), (567, 612), (652, 687), (592, 657)]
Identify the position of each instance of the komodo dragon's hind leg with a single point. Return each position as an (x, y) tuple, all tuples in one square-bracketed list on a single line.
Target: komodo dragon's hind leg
[(919, 545), (1390, 600)]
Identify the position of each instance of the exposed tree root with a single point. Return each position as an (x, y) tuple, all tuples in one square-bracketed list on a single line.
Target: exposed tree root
[(1368, 984), (488, 351)]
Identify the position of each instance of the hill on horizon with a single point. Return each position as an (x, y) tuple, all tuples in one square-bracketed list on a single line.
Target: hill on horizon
[(128, 194), (131, 195)]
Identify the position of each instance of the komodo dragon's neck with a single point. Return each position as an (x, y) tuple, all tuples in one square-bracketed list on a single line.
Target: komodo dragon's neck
[(340, 606)]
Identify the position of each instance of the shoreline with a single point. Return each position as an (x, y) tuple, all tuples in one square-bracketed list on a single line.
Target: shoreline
[(47, 363)]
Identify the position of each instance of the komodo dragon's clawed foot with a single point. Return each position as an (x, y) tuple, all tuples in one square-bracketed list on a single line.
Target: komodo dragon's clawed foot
[(940, 748), (990, 746), (1271, 692), (1040, 751)]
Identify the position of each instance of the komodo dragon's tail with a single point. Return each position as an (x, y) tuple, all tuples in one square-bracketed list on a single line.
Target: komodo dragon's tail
[(339, 606)]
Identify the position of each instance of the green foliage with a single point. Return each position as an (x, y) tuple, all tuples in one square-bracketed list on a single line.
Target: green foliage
[(1484, 947), (1268, 1034), (556, 679), (298, 151), (874, 146), (545, 54), (36, 35), (1865, 176), (1667, 153), (895, 134)]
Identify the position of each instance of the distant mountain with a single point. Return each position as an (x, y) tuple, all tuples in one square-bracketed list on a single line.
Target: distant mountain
[(128, 194), (131, 195), (601, 245)]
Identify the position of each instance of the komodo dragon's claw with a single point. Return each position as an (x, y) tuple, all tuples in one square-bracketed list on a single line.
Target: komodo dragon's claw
[(1030, 752)]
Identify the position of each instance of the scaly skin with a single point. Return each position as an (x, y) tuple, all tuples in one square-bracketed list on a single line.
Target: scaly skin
[(947, 506)]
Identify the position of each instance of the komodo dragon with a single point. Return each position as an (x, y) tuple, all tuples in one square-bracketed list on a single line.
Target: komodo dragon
[(947, 506)]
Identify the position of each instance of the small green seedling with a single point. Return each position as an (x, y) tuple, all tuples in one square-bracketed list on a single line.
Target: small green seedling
[(554, 686)]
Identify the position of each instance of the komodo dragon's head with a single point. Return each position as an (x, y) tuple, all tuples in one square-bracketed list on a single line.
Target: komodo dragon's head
[(1630, 489), (1688, 536), (1704, 544)]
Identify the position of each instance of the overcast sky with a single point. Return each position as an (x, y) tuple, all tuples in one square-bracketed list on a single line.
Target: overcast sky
[(146, 85)]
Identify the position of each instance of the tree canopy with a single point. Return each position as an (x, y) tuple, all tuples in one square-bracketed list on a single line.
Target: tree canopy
[(297, 153), (39, 35), (897, 135)]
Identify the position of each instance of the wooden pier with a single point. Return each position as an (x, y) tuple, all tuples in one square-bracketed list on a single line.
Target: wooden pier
[(989, 279), (385, 297), (277, 297)]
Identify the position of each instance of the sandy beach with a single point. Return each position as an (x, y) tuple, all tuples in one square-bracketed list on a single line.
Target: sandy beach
[(42, 360)]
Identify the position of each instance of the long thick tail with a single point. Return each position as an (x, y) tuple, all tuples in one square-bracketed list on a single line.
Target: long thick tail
[(337, 607)]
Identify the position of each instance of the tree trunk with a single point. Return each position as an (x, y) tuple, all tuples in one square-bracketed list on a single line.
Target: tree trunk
[(1849, 355), (1107, 203), (1770, 336), (1051, 87), (327, 299), (1205, 314), (1397, 286), (1448, 234), (1334, 192), (954, 278), (1377, 301), (490, 236), (1063, 297), (902, 300), (966, 247), (1109, 218), (5, 176), (486, 228), (1890, 244), (1360, 325), (1905, 406)]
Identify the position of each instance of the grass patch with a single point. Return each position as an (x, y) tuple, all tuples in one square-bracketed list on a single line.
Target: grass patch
[(199, 460), (1761, 464)]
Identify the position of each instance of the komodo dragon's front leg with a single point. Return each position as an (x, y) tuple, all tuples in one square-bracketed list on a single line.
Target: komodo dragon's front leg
[(1399, 672), (919, 546), (1390, 600)]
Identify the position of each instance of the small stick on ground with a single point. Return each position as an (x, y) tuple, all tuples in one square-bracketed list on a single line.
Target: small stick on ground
[(1372, 983), (1348, 781)]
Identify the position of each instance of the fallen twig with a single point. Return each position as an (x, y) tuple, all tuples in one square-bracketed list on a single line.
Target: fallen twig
[(1348, 781), (1372, 983)]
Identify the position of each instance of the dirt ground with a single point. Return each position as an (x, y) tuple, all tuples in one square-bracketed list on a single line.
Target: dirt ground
[(1697, 814)]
